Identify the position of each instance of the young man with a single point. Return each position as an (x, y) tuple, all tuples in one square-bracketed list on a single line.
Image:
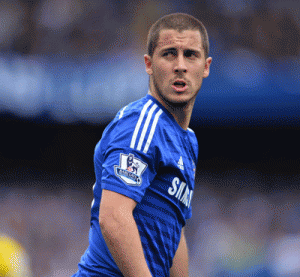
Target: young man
[(145, 162)]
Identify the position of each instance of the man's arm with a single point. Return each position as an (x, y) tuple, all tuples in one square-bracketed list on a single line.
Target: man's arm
[(121, 234), (180, 267)]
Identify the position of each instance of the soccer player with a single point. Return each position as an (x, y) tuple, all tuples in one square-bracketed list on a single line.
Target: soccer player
[(145, 162)]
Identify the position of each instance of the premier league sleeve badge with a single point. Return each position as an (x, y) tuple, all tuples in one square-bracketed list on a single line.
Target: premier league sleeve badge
[(130, 169)]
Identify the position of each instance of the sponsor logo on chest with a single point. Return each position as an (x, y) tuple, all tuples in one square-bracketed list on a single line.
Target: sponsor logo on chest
[(181, 191)]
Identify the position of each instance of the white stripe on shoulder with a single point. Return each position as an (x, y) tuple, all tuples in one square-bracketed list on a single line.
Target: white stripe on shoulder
[(153, 127), (139, 147), (190, 130), (122, 112), (138, 125)]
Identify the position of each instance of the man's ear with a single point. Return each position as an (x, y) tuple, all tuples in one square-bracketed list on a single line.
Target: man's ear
[(148, 64), (207, 67)]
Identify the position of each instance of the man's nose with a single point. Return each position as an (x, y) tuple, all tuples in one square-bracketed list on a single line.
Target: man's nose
[(180, 66)]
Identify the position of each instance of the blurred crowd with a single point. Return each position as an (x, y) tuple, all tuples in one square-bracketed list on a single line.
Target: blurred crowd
[(92, 27), (232, 232), (57, 56), (51, 226), (245, 233)]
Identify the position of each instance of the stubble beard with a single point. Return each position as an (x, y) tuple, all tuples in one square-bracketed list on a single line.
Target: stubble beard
[(171, 104)]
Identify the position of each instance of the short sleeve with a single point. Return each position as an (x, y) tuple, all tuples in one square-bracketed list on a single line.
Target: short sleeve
[(127, 172), (125, 168)]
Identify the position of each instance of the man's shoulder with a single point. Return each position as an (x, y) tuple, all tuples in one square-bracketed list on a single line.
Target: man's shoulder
[(144, 106), (143, 113), (137, 124)]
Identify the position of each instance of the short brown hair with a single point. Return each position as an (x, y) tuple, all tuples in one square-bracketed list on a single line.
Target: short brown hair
[(179, 22)]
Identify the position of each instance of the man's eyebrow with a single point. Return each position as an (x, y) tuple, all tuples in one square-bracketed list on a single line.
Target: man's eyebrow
[(192, 50), (175, 49), (169, 49)]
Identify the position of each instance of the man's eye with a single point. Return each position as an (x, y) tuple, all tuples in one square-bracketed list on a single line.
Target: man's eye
[(169, 54), (190, 54)]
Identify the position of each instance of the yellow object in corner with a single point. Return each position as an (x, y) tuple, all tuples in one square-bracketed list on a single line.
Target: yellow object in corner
[(14, 261)]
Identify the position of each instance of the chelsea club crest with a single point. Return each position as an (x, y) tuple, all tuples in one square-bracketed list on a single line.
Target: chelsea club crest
[(130, 169)]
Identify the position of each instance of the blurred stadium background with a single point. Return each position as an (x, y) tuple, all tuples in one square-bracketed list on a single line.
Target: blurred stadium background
[(67, 66)]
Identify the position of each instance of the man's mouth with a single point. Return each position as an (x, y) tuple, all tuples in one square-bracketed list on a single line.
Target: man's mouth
[(179, 85)]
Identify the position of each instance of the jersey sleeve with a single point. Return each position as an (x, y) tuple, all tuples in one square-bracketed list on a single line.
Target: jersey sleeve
[(126, 167)]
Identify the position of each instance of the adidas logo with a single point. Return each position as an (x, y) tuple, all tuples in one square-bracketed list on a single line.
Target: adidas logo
[(180, 163)]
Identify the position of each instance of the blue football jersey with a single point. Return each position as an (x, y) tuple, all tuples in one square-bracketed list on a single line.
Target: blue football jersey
[(145, 155)]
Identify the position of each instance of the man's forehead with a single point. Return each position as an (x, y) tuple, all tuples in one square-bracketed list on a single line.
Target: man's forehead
[(188, 38)]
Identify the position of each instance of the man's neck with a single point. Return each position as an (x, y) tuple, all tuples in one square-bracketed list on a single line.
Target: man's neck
[(182, 116), (181, 113)]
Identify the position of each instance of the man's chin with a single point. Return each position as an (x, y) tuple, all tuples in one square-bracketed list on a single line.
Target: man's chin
[(177, 102), (175, 99)]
